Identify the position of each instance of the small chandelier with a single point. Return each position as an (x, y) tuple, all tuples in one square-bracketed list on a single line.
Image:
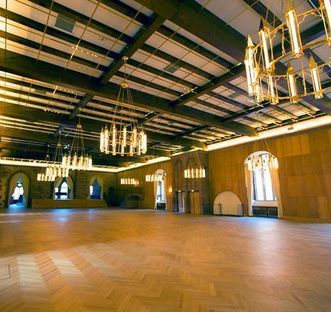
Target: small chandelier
[(195, 173), (260, 61), (256, 162), (155, 177), (77, 159), (126, 136), (129, 181), (55, 168)]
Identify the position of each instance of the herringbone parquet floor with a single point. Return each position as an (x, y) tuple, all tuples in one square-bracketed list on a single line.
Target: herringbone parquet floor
[(120, 260)]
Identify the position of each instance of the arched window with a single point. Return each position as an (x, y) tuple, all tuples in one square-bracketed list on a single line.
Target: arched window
[(95, 190), (18, 191), (160, 190), (62, 191), (17, 196), (262, 183), (160, 194)]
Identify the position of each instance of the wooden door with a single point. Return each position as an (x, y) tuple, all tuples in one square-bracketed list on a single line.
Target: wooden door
[(194, 202)]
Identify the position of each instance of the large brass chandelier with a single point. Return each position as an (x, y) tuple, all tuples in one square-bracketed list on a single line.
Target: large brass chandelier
[(124, 136), (261, 59), (77, 159)]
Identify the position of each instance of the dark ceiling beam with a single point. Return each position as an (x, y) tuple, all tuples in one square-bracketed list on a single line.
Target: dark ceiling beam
[(83, 19), (137, 41), (40, 90), (213, 84), (33, 115), (28, 67), (128, 11), (98, 49), (194, 18), (89, 97), (45, 139), (192, 130), (276, 107), (99, 161)]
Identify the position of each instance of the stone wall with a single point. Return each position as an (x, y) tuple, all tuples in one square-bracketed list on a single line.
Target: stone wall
[(38, 190)]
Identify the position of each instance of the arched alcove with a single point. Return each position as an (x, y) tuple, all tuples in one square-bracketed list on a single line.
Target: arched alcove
[(63, 188), (227, 203), (96, 187), (160, 191), (262, 185), (18, 191)]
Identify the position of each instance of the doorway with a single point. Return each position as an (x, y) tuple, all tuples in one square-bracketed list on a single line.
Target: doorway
[(180, 201), (194, 202)]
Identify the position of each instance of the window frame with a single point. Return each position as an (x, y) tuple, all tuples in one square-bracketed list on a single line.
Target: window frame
[(263, 179)]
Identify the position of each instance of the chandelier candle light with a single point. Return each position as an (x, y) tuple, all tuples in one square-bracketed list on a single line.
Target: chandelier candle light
[(77, 159), (255, 162), (129, 181), (260, 61), (155, 177), (55, 168), (125, 136), (195, 173)]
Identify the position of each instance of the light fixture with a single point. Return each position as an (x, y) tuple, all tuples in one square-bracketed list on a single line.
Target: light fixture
[(195, 173), (155, 177), (256, 162), (54, 168), (260, 61), (77, 159), (129, 181), (125, 136), (261, 160)]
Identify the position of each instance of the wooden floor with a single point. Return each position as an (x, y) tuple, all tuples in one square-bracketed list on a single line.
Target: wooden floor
[(120, 260)]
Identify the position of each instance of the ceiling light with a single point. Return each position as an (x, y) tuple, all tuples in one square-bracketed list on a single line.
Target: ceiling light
[(260, 61), (122, 137)]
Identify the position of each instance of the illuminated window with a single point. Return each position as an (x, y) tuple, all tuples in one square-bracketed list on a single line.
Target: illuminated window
[(95, 190), (62, 191), (262, 181), (18, 191), (160, 196)]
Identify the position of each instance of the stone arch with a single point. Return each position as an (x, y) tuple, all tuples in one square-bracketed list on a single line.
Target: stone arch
[(12, 182)]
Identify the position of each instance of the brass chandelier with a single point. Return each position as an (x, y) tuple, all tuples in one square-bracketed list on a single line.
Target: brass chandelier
[(129, 181), (55, 168), (260, 61), (195, 173), (155, 177), (255, 162), (125, 136), (77, 159)]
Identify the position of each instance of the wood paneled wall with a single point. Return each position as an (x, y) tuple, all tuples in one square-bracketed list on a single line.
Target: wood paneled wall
[(146, 189), (304, 172)]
